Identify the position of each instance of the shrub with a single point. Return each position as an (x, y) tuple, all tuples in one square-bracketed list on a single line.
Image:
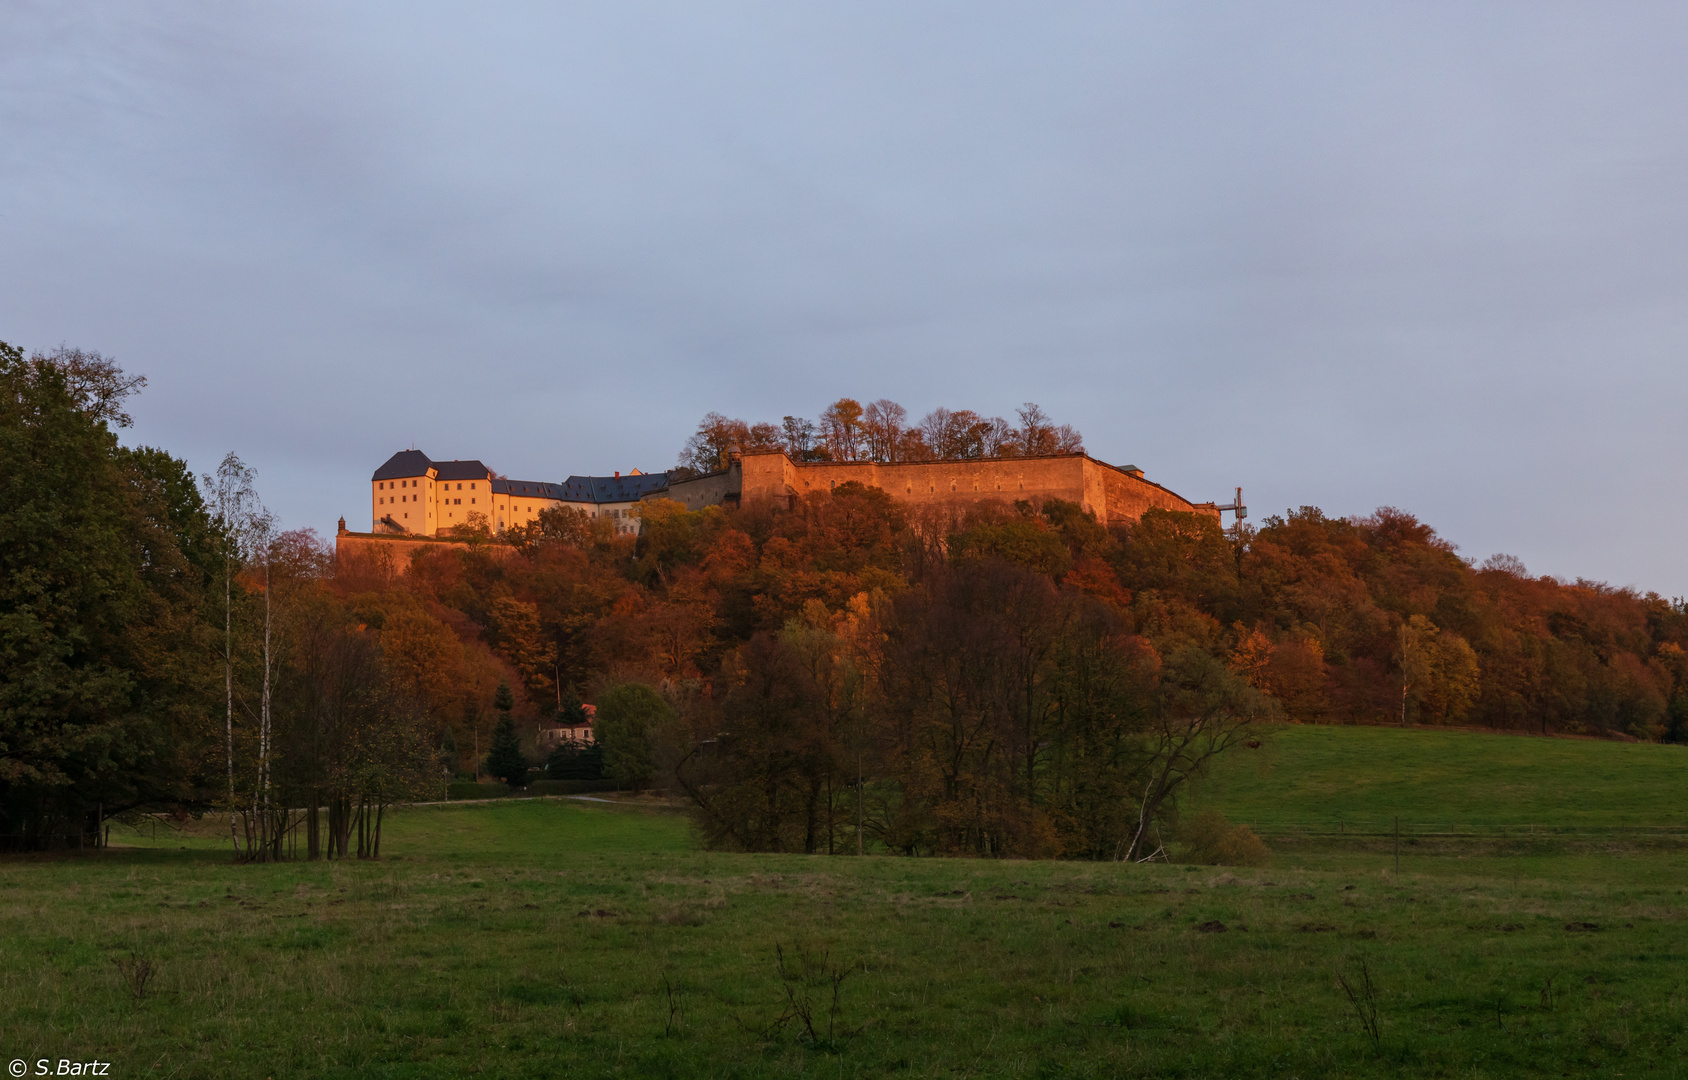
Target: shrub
[(469, 790), (573, 761), (570, 787), (629, 719), (1205, 837)]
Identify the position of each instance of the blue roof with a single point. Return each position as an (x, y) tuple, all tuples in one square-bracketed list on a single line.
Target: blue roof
[(536, 489), (612, 489)]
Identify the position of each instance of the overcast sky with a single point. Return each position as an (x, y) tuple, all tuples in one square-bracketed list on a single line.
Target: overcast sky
[(1425, 255)]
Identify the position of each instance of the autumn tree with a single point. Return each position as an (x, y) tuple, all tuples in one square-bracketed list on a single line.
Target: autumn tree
[(884, 429), (797, 437), (514, 628), (758, 771), (718, 436), (842, 430), (1201, 709)]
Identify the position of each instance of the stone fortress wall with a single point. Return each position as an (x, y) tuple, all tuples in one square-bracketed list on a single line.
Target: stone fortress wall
[(1113, 494)]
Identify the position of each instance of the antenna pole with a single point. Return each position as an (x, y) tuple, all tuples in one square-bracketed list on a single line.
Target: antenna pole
[(1238, 509)]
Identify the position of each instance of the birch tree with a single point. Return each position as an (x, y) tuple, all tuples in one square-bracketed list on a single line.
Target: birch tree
[(240, 517)]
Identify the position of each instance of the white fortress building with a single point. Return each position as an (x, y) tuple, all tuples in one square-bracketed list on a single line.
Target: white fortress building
[(414, 494)]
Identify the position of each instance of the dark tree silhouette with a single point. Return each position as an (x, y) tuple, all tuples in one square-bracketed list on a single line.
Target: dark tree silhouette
[(504, 759)]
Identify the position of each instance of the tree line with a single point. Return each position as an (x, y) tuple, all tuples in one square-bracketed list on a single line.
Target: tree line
[(844, 674), (880, 431), (165, 648), (1021, 678)]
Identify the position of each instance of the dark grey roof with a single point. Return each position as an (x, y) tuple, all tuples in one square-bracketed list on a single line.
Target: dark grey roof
[(612, 489), (519, 489), (402, 464), (588, 489), (462, 470), (407, 463)]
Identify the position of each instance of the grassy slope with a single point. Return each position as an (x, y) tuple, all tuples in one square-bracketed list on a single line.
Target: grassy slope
[(562, 938), (1319, 775)]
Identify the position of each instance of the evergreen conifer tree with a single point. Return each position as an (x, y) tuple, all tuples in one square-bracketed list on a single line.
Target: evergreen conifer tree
[(504, 758)]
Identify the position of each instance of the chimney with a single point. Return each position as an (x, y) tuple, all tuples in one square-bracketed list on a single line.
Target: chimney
[(618, 474)]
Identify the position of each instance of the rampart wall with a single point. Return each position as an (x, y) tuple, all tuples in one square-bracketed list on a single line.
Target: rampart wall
[(394, 552), (711, 489), (1111, 493)]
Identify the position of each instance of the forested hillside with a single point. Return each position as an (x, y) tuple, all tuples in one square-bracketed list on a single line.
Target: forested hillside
[(841, 675), (1015, 678)]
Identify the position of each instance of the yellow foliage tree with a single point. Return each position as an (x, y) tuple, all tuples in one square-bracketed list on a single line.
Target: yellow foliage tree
[(1439, 673)]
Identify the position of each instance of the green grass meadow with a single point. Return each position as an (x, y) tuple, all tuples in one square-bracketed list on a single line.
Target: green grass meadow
[(555, 938), (1321, 775)]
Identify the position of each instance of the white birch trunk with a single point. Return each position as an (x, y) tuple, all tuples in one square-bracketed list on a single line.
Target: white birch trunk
[(264, 721)]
